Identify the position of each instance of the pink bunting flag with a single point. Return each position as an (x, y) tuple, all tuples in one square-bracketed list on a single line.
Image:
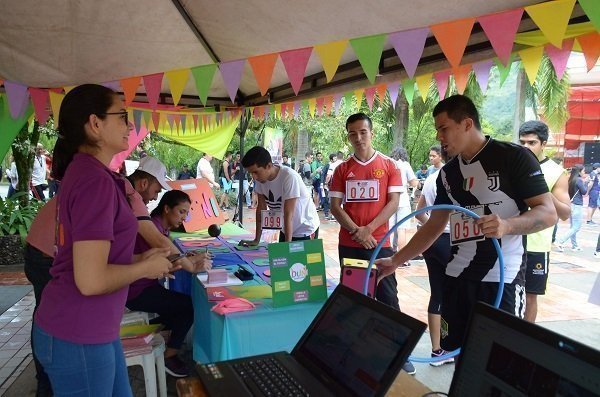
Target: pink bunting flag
[(320, 102), (170, 120), (267, 113), (232, 75), (409, 45), (482, 73), (441, 79), (393, 89), (195, 120), (337, 100), (153, 85), (283, 111), (295, 62), (255, 112), (18, 98), (370, 96), (40, 98), (560, 56), (134, 141), (501, 29)]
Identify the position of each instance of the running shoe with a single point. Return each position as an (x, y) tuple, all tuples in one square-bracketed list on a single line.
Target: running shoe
[(409, 368), (439, 353)]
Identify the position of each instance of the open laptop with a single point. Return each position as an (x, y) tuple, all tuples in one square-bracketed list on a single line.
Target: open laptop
[(506, 356), (355, 346)]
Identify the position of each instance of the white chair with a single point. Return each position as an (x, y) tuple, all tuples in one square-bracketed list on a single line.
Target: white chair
[(153, 362)]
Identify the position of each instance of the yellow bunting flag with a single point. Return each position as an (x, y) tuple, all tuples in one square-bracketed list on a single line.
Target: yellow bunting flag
[(55, 101), (358, 94), (552, 18), (331, 54), (263, 66), (453, 38), (177, 80), (461, 77), (423, 83), (68, 88), (277, 109), (312, 105), (130, 87), (531, 59)]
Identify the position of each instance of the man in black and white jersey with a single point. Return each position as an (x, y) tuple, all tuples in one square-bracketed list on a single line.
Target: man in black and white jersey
[(499, 181)]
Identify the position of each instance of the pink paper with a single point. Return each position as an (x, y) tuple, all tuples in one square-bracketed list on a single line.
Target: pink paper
[(295, 62)]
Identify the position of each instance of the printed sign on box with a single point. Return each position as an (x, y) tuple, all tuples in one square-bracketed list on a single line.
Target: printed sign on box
[(297, 272)]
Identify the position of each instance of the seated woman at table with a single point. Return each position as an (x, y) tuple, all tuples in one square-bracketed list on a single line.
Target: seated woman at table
[(174, 309)]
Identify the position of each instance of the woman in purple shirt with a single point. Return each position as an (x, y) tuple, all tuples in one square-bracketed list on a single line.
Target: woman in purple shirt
[(174, 309), (76, 327)]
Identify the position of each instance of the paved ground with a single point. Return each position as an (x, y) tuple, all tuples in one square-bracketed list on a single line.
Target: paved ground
[(564, 309)]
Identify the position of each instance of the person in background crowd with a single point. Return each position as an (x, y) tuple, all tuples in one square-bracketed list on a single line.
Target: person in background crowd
[(435, 159), (13, 178), (285, 160), (174, 309), (281, 192), (534, 136), (226, 181), (205, 170), (185, 173), (421, 174), (76, 326), (502, 182), (39, 173), (409, 179), (577, 189), (306, 168), (53, 184), (326, 175), (315, 173), (594, 193)]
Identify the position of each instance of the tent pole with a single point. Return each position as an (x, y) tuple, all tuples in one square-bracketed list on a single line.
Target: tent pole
[(244, 121)]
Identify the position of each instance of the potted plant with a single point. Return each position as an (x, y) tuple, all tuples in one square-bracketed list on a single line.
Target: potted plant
[(15, 220)]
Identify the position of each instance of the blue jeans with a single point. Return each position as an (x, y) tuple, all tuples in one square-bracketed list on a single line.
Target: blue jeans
[(576, 222), (82, 370)]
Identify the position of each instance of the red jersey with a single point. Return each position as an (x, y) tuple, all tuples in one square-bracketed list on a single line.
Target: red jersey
[(364, 188)]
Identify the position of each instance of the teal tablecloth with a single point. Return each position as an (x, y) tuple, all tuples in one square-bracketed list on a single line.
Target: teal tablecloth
[(262, 330)]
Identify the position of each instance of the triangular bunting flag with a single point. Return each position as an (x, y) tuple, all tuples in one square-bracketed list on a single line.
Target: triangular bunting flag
[(55, 101), (531, 59), (423, 83), (331, 54), (319, 106), (370, 97), (482, 73), (177, 80), (590, 45), (130, 87), (337, 101), (381, 90), (295, 62), (461, 77), (441, 80), (137, 120), (358, 94), (147, 115), (283, 111), (232, 75), (592, 10), (156, 120), (297, 107), (113, 85), (453, 38), (349, 101), (409, 45), (203, 76), (559, 57), (408, 86), (552, 18), (501, 29), (195, 121), (267, 111), (171, 120), (277, 110), (262, 66), (153, 85), (68, 88), (368, 50), (312, 104), (503, 70), (40, 98), (393, 89), (18, 98)]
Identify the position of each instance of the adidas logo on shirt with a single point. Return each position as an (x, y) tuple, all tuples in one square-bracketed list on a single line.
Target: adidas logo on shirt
[(350, 175)]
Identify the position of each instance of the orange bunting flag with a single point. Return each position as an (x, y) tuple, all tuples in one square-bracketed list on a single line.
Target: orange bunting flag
[(453, 38), (461, 77), (130, 87), (263, 66), (328, 107), (590, 45), (552, 18), (331, 54), (312, 104), (381, 90)]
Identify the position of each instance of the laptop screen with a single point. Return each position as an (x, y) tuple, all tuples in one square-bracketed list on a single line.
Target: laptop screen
[(507, 356), (358, 344)]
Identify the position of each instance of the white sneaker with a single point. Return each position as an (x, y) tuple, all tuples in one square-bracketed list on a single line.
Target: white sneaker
[(597, 254), (576, 249), (560, 248)]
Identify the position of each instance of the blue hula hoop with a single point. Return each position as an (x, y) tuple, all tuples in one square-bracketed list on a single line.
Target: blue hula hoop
[(413, 214)]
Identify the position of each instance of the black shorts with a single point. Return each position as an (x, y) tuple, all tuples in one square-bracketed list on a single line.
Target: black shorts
[(536, 275), (459, 298)]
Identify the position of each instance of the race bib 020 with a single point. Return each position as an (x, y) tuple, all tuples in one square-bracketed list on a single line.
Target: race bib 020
[(362, 190)]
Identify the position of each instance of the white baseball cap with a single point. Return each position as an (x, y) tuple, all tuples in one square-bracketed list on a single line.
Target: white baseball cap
[(155, 168)]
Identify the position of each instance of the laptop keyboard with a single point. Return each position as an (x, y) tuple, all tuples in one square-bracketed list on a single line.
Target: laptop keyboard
[(267, 377)]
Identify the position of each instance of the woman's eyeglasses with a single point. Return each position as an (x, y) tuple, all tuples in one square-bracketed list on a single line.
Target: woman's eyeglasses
[(123, 113)]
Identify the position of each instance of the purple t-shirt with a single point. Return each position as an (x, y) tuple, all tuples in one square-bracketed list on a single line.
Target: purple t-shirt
[(141, 246), (91, 206)]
